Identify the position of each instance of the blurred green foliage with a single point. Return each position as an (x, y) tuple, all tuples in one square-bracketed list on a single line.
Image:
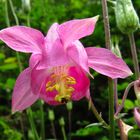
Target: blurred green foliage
[(43, 13)]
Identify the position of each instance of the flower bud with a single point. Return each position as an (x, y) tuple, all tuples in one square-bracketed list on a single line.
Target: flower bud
[(126, 16), (26, 5), (61, 121), (51, 115), (115, 46), (125, 128), (69, 106), (137, 116), (137, 90)]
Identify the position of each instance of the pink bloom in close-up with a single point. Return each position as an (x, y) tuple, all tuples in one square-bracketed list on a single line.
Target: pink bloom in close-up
[(137, 116), (59, 63)]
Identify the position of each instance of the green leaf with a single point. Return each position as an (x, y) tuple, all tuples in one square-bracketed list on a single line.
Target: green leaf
[(10, 60), (87, 131), (128, 104), (10, 83), (8, 66), (2, 56)]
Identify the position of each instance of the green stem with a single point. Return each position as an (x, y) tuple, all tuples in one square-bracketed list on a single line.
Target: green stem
[(30, 115), (119, 121), (28, 20), (29, 111), (42, 121), (53, 130), (19, 62), (13, 12), (124, 98), (97, 115), (17, 23), (110, 81), (69, 118), (111, 109), (6, 14), (134, 55), (116, 93), (8, 25), (63, 132)]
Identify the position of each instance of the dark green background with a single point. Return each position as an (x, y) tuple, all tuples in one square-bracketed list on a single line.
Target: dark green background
[(44, 13)]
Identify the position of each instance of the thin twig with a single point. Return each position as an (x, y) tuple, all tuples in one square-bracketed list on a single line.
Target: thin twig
[(124, 98), (97, 115), (110, 81), (53, 130), (134, 55), (119, 121)]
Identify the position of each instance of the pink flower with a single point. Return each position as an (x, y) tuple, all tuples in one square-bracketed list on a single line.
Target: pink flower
[(137, 116), (59, 63)]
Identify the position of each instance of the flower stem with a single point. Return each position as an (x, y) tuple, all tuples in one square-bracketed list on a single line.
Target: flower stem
[(63, 132), (29, 111), (119, 121), (69, 118), (13, 12), (111, 110), (110, 81), (28, 20), (17, 23), (116, 93), (53, 130), (30, 115), (134, 55), (97, 115), (124, 97), (20, 67), (6, 14), (42, 121)]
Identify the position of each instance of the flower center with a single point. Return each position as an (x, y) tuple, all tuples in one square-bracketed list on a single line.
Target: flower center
[(61, 82)]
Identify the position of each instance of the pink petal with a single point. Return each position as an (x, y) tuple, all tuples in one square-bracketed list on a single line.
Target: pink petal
[(34, 60), (38, 77), (137, 116), (23, 39), (77, 53), (22, 96), (49, 97), (76, 29), (54, 53), (82, 83), (52, 34), (106, 63)]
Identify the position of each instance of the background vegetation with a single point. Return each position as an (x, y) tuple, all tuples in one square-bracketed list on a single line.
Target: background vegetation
[(41, 15)]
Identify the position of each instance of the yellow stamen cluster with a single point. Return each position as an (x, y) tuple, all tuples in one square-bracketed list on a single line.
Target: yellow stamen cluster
[(62, 83)]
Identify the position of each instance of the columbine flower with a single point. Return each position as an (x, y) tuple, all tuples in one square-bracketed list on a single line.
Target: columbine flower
[(59, 63), (137, 90), (137, 116)]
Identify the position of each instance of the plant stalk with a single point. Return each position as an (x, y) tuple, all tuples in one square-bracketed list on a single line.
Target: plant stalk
[(134, 55), (30, 116), (110, 81), (28, 20), (119, 121), (6, 14), (69, 117), (64, 133), (97, 115), (29, 111), (124, 98), (13, 12), (53, 130), (42, 121), (20, 68)]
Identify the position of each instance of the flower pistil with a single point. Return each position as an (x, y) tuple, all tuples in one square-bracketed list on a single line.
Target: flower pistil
[(61, 82)]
